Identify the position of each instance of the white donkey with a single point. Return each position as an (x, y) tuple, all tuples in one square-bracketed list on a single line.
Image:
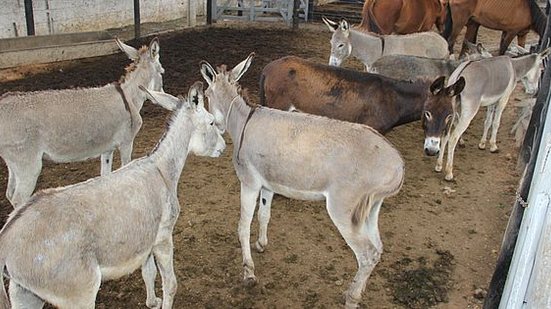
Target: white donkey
[(75, 124), (307, 157), (489, 82), (62, 243), (368, 47)]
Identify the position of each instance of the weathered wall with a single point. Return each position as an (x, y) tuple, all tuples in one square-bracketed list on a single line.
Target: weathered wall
[(62, 16)]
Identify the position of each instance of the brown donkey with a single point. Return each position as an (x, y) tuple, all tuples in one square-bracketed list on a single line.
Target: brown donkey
[(292, 83)]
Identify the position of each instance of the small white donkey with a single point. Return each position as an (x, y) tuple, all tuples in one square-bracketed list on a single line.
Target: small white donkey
[(75, 124), (62, 243)]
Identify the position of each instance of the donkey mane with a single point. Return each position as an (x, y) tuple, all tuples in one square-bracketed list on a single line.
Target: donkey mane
[(133, 65)]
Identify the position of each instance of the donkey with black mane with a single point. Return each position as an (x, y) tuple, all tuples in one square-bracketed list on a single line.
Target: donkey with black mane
[(75, 124), (62, 243), (292, 83), (306, 157)]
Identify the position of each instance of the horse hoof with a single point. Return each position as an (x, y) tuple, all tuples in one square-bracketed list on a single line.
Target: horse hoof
[(260, 248), (249, 282)]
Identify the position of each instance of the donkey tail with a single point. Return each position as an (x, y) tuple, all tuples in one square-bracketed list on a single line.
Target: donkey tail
[(261, 92), (362, 210), (448, 22), (4, 301)]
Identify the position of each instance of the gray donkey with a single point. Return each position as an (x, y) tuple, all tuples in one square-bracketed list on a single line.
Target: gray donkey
[(75, 124), (307, 157), (62, 243)]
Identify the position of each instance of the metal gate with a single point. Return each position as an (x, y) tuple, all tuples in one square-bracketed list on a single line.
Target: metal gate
[(258, 10)]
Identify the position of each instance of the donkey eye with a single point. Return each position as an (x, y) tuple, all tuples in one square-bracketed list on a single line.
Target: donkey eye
[(340, 45), (211, 123), (428, 115)]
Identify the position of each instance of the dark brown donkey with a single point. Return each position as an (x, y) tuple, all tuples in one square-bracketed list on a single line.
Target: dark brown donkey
[(293, 83), (402, 17), (513, 17)]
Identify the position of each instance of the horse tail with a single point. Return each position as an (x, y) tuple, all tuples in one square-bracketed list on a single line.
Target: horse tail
[(261, 92), (448, 22), (373, 25), (539, 20)]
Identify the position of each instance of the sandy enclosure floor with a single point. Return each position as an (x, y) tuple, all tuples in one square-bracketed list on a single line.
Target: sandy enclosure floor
[(441, 239)]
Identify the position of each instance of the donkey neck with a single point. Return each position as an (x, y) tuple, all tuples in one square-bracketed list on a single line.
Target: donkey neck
[(171, 152), (365, 46), (236, 122), (413, 102), (130, 86), (523, 64)]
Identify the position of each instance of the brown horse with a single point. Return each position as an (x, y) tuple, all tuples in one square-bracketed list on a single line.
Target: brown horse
[(513, 17), (402, 16), (296, 84)]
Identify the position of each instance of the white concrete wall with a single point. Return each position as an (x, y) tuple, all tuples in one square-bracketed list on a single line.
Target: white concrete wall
[(63, 16)]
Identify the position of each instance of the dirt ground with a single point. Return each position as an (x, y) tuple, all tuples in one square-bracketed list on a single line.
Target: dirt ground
[(441, 239)]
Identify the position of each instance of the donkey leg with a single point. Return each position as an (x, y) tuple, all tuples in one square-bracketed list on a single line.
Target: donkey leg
[(11, 183), (440, 159), (26, 174), (149, 272), (248, 203), (164, 255), (497, 120), (126, 153), (490, 110), (23, 298), (360, 240), (459, 129), (106, 162), (264, 208)]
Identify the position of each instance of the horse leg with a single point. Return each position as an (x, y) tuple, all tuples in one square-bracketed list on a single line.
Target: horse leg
[(265, 205), (23, 298), (363, 239), (487, 123), (149, 273), (26, 175), (106, 162), (164, 256), (506, 39), (470, 35), (248, 203), (521, 38), (497, 119)]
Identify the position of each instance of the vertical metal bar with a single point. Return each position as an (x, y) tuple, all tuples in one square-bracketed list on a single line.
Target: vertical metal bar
[(137, 29), (29, 16), (209, 12), (296, 8)]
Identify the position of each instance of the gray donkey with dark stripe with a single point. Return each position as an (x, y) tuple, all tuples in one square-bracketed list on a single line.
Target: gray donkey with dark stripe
[(75, 124), (350, 166)]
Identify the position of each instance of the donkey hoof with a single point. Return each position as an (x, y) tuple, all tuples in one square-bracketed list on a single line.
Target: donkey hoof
[(260, 248), (482, 146), (155, 304), (249, 282), (449, 177), (438, 168), (494, 149)]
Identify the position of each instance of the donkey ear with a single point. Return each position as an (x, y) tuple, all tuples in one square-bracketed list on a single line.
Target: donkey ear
[(456, 88), (162, 99), (208, 72), (154, 48), (332, 25), (240, 69), (195, 95), (345, 27), (130, 51), (437, 85)]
